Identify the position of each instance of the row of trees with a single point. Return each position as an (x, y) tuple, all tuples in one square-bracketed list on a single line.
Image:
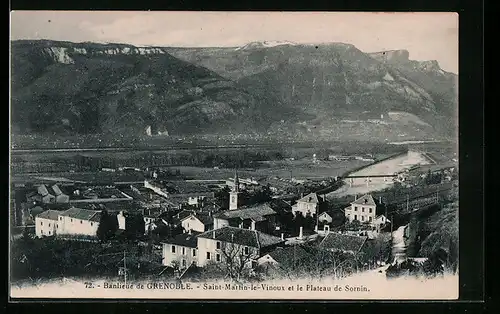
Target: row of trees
[(198, 158)]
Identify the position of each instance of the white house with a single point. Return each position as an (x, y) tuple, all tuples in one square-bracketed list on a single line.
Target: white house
[(380, 221), (77, 221), (325, 217), (182, 249), (197, 222), (362, 209), (307, 205), (242, 245), (46, 223)]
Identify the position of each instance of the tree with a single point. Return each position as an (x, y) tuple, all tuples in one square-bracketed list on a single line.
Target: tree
[(319, 264), (298, 221), (134, 225), (310, 222), (376, 250), (353, 225), (222, 197), (108, 225), (235, 260)]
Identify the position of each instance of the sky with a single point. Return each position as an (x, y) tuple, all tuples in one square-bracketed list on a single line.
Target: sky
[(427, 36)]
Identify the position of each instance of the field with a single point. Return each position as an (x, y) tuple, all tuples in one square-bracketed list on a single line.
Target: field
[(214, 162), (299, 169)]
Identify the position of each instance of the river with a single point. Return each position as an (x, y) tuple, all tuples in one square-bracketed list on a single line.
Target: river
[(389, 166)]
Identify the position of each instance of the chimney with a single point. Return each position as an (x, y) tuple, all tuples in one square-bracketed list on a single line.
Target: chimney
[(189, 231), (355, 196), (282, 237), (252, 226), (213, 234), (300, 233), (380, 199)]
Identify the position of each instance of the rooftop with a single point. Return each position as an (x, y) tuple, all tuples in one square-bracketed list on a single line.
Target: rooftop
[(83, 214), (204, 218), (366, 199), (251, 212), (289, 254), (184, 239), (57, 190), (310, 198), (42, 190), (49, 214), (241, 236), (182, 215), (343, 242)]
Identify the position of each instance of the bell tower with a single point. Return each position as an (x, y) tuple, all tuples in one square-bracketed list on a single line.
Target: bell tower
[(234, 194)]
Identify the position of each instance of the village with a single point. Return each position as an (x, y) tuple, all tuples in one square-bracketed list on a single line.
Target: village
[(237, 228)]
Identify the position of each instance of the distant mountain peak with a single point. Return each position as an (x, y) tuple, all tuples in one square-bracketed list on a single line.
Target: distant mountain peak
[(265, 44)]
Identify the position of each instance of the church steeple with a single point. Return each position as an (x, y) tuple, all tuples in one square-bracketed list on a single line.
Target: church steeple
[(233, 195), (236, 181)]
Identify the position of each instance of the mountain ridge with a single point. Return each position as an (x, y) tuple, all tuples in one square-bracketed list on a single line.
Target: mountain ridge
[(276, 89)]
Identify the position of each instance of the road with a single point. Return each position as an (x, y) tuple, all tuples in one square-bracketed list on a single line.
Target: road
[(398, 245)]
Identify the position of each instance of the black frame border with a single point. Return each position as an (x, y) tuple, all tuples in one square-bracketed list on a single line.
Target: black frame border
[(471, 143)]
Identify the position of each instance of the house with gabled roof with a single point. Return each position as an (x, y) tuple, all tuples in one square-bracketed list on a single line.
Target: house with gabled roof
[(256, 217), (78, 221), (362, 209), (380, 221), (181, 249), (46, 223), (197, 221), (307, 205), (228, 242)]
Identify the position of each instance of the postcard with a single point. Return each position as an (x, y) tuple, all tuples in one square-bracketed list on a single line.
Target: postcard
[(233, 155)]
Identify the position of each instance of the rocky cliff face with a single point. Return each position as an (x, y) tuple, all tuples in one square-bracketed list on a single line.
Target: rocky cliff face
[(90, 88)]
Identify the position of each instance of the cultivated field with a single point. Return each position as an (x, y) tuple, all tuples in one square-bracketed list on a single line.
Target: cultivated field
[(299, 169)]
